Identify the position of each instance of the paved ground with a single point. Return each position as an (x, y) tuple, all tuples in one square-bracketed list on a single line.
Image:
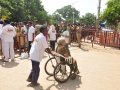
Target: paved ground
[(99, 70)]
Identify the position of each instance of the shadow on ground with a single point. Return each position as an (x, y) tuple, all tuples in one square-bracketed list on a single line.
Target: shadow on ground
[(39, 87), (69, 85), (8, 64), (84, 49)]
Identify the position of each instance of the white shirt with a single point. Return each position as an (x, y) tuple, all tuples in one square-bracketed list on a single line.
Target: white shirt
[(8, 33), (52, 34), (38, 48), (1, 27), (31, 31), (24, 29)]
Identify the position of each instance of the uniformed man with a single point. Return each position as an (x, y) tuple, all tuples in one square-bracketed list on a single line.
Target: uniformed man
[(78, 35)]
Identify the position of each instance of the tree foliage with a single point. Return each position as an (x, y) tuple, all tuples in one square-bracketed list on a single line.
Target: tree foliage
[(112, 13), (88, 19), (23, 10), (67, 13)]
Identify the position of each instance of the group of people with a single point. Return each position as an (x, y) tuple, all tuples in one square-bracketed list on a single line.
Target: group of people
[(11, 37), (40, 45), (37, 40)]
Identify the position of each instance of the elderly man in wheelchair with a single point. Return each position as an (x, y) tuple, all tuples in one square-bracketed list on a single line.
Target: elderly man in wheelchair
[(66, 56)]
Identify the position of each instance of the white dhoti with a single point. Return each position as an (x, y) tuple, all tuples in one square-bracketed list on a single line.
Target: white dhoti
[(8, 50)]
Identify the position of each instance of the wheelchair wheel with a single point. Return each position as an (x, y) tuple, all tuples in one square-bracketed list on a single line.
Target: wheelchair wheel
[(62, 72), (50, 65)]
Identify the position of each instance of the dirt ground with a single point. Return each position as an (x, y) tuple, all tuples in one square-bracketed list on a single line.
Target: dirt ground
[(99, 70)]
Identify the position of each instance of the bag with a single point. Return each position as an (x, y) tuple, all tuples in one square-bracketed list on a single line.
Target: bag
[(24, 55)]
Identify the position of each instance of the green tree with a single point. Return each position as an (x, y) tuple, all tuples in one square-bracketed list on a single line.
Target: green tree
[(67, 13), (112, 13), (23, 10), (4, 8), (14, 9), (56, 18), (17, 12), (88, 19), (33, 9)]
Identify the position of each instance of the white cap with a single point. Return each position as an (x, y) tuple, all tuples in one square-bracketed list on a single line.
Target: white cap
[(61, 41)]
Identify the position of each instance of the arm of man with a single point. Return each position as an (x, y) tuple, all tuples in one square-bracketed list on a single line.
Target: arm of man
[(44, 42), (48, 51), (3, 31)]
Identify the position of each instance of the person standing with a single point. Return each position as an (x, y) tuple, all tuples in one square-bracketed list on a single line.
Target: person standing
[(24, 28), (52, 36), (7, 34), (37, 50), (66, 35), (31, 32), (78, 34)]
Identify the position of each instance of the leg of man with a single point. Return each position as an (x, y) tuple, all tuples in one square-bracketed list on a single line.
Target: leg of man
[(2, 47), (29, 45), (12, 50), (50, 44), (53, 45), (30, 75), (35, 72), (6, 50), (78, 39)]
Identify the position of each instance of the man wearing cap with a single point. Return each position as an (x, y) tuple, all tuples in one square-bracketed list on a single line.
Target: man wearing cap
[(7, 35), (39, 46)]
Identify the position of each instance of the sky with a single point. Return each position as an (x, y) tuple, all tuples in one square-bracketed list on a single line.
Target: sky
[(83, 6)]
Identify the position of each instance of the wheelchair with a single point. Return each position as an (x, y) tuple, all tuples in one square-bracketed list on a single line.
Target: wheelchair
[(61, 68)]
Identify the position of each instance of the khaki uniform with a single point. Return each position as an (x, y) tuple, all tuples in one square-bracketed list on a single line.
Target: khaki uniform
[(20, 37), (78, 35)]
